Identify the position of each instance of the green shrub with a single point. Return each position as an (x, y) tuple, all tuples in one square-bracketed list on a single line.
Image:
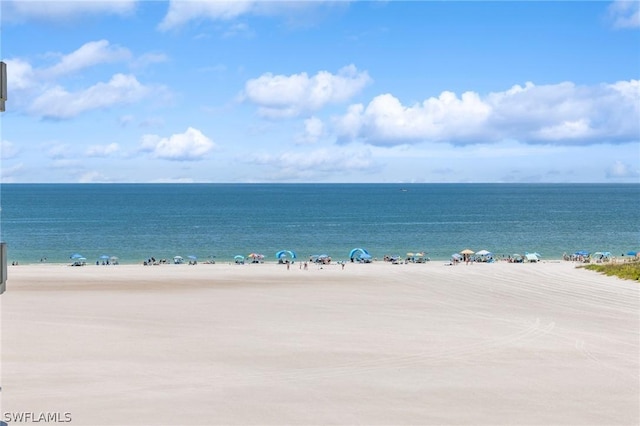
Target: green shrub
[(627, 271)]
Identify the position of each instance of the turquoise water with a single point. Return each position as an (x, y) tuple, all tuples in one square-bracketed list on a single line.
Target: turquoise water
[(138, 221)]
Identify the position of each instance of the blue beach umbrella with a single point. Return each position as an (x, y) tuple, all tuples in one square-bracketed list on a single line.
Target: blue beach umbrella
[(632, 253), (104, 257), (76, 256)]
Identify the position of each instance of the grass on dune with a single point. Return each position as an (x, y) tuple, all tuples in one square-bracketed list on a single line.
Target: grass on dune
[(627, 271)]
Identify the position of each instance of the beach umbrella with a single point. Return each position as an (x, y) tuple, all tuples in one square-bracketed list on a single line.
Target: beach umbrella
[(483, 253), (192, 257), (104, 257), (76, 256), (632, 253), (238, 257), (456, 256), (467, 251)]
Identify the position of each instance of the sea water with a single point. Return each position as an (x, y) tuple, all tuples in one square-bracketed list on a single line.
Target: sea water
[(137, 221)]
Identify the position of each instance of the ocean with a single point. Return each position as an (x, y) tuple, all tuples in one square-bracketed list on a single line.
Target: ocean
[(137, 221)]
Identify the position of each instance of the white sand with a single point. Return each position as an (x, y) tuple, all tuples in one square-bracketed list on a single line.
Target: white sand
[(372, 344)]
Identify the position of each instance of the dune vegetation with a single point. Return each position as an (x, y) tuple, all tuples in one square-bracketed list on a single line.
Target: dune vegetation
[(627, 270)]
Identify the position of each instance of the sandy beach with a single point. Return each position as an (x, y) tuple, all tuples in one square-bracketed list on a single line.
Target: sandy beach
[(481, 344)]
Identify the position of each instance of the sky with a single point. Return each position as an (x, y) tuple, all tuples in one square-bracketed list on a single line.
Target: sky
[(320, 91)]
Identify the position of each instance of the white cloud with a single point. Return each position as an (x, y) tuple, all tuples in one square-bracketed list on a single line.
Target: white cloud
[(59, 151), (288, 96), (20, 75), (558, 114), (102, 150), (56, 10), (8, 174), (147, 59), (93, 177), (180, 12), (41, 90), (8, 150), (88, 55), (191, 145), (623, 170), (314, 164), (183, 11), (313, 131), (58, 103), (624, 14)]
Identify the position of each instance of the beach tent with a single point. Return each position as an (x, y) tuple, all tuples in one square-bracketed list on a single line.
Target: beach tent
[(283, 254), (114, 260), (178, 260), (602, 256), (531, 257), (238, 259), (358, 253), (484, 255)]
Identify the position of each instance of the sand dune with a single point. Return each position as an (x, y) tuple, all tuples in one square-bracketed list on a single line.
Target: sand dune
[(371, 344)]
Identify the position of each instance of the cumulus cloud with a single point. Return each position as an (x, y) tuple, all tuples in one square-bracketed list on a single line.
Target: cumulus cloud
[(622, 170), (58, 103), (624, 14), (55, 10), (313, 131), (561, 113), (21, 75), (192, 145), (40, 90), (280, 96)]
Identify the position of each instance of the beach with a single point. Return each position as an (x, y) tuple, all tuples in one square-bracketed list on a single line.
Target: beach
[(482, 344)]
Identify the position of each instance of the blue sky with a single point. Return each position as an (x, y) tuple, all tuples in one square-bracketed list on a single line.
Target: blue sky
[(315, 91)]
